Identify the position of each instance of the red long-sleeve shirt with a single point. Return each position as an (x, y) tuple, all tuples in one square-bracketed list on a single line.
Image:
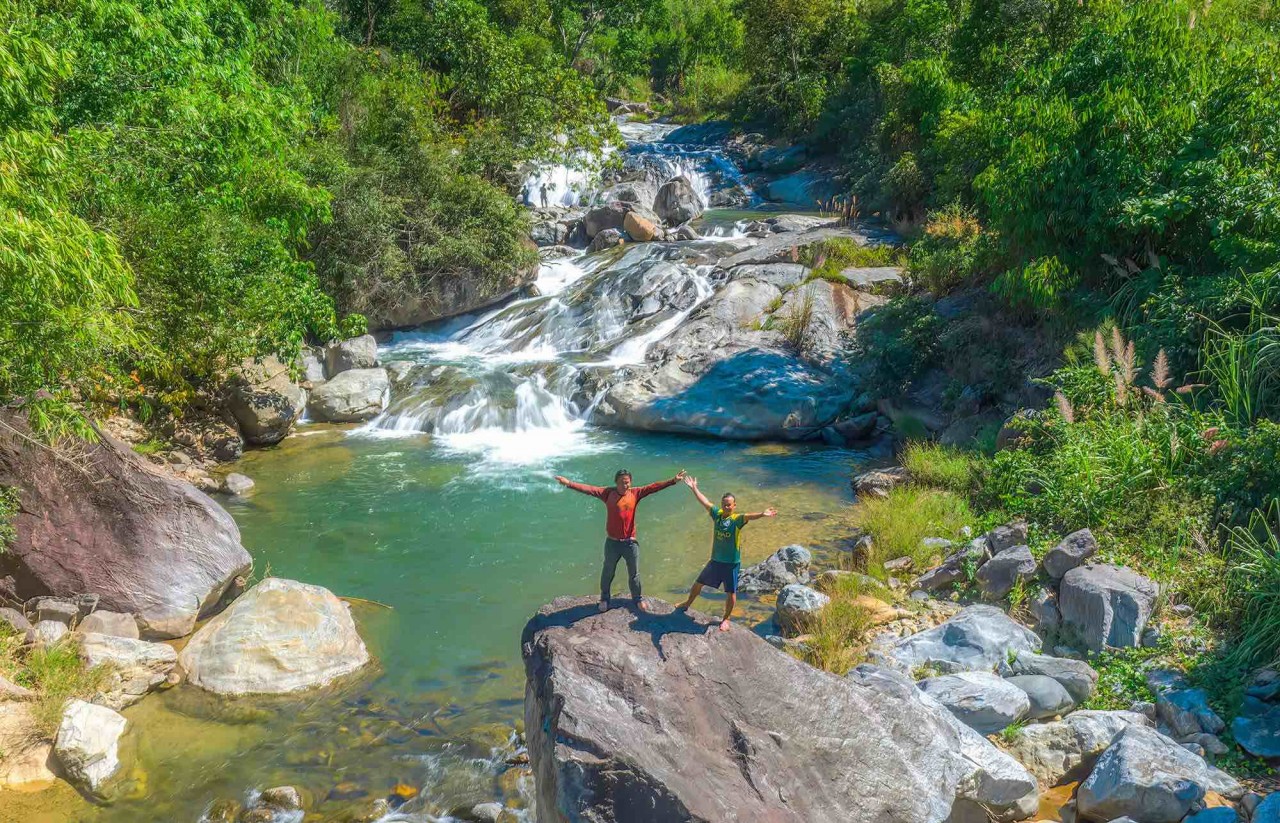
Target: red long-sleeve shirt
[(620, 522)]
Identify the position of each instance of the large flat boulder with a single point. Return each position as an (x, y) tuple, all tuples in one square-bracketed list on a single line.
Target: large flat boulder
[(353, 396), (977, 638), (639, 718), (995, 786), (739, 368), (97, 519), (264, 400), (1106, 605), (280, 636)]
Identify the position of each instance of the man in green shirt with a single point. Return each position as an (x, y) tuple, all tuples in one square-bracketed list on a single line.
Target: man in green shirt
[(726, 549)]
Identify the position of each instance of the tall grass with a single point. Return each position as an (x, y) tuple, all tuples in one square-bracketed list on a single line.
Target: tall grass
[(830, 257), (796, 322), (837, 633), (54, 672), (937, 466), (900, 522), (1255, 581)]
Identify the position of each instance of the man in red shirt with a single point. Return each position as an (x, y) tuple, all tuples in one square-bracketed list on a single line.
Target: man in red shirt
[(620, 528)]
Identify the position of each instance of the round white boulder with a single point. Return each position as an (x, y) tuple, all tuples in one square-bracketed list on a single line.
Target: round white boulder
[(280, 636)]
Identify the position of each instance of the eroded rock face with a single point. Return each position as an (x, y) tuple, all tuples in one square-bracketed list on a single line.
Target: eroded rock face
[(1149, 777), (677, 202), (356, 353), (104, 522), (1066, 749), (625, 727), (280, 636), (1107, 605), (264, 400), (136, 666), (88, 744), (787, 565), (980, 700), (728, 372)]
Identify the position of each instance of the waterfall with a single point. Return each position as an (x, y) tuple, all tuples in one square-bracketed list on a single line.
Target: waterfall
[(515, 384)]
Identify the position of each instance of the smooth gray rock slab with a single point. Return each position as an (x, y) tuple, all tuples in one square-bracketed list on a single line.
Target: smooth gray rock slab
[(237, 484), (1107, 605), (798, 605), (622, 727), (1184, 710), (353, 396), (1076, 676), (1065, 750), (981, 700), (1074, 549), (48, 632), (977, 638), (998, 576), (995, 787), (357, 353), (1150, 777), (280, 636), (1048, 697)]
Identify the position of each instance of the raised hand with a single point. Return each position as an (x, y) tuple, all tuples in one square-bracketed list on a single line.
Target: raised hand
[(681, 475), (770, 512), (689, 480), (563, 481)]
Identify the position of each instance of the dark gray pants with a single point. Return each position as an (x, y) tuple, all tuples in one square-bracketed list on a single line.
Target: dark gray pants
[(615, 550)]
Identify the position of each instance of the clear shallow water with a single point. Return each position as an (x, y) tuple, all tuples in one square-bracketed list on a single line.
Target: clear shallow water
[(463, 547)]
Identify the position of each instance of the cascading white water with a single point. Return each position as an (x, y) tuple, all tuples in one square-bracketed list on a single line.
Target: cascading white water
[(516, 383), (509, 384)]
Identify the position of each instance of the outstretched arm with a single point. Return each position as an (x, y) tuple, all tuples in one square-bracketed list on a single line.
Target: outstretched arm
[(645, 491), (692, 483), (591, 491), (769, 512)]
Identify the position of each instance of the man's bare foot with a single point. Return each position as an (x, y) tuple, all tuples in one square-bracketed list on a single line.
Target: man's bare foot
[(604, 605), (641, 605), (683, 607), (724, 625)]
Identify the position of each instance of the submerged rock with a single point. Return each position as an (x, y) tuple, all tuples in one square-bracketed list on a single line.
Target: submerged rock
[(624, 726), (104, 521), (280, 636)]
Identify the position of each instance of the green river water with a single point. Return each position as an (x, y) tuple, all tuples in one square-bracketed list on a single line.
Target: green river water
[(458, 548)]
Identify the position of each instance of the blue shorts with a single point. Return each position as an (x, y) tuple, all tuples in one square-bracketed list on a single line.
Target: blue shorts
[(720, 575)]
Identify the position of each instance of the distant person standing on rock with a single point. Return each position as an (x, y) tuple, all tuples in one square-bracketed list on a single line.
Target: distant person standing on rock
[(726, 549), (620, 542), (544, 195)]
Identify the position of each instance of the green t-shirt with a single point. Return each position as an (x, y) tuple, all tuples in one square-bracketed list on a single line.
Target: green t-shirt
[(726, 539)]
